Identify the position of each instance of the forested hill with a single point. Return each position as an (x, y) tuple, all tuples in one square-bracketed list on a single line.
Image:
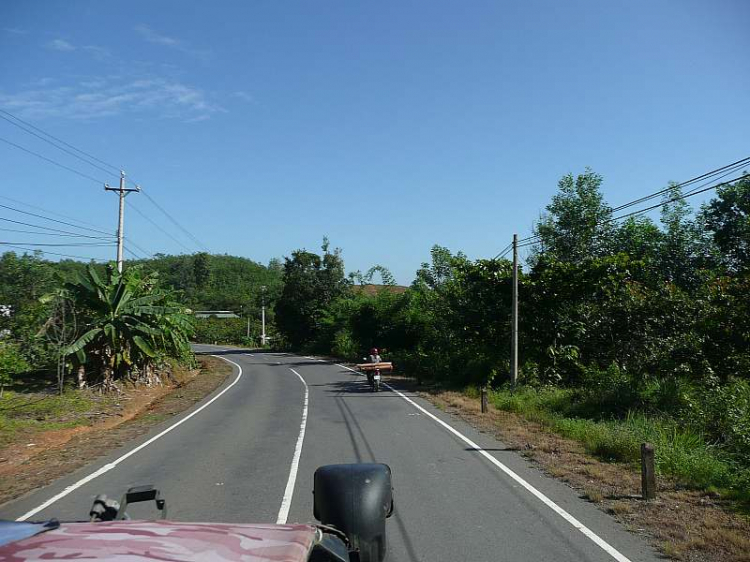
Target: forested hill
[(205, 281), (218, 282)]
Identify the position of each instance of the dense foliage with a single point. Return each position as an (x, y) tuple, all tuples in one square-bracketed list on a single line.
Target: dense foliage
[(628, 316), (127, 325), (46, 306)]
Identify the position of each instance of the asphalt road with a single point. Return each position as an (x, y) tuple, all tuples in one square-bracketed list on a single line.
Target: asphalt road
[(231, 461)]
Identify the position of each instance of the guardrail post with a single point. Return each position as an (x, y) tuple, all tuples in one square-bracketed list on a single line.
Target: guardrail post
[(648, 472), (484, 400)]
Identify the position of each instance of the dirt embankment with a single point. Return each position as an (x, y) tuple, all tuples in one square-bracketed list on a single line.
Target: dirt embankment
[(683, 524), (34, 461)]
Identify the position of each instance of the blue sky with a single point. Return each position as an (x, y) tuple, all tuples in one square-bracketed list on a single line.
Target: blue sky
[(387, 126)]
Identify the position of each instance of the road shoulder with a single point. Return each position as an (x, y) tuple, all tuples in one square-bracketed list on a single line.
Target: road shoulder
[(683, 524), (58, 454)]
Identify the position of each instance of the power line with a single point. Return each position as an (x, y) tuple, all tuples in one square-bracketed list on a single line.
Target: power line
[(132, 253), (115, 168), (65, 150), (728, 169), (147, 254), (52, 253), (532, 240), (53, 220), (153, 202), (74, 244), (137, 210), (59, 235), (48, 211), (63, 166), (678, 198), (731, 167), (54, 229), (174, 221), (501, 253)]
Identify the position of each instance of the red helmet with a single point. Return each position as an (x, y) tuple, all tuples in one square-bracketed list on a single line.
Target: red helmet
[(374, 351)]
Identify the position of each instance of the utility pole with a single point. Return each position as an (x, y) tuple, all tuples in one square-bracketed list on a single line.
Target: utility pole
[(514, 317), (263, 315), (121, 223)]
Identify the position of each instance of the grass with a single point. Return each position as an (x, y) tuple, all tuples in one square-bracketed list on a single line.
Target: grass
[(681, 452), (26, 413)]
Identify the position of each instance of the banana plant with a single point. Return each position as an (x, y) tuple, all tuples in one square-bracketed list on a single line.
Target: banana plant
[(130, 323)]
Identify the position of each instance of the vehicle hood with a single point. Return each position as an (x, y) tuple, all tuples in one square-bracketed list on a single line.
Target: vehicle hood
[(165, 541)]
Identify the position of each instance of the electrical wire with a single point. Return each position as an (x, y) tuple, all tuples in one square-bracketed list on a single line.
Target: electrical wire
[(53, 220), (727, 170), (65, 150), (115, 168), (59, 245), (53, 253), (504, 251), (174, 221), (63, 166), (137, 210), (56, 230), (147, 254), (734, 167), (59, 235), (532, 240), (29, 130), (48, 211)]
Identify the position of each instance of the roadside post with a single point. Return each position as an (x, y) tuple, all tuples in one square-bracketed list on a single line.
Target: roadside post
[(514, 319), (484, 400), (648, 472)]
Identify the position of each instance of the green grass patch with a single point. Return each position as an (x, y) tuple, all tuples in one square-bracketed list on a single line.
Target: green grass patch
[(681, 451), (24, 413)]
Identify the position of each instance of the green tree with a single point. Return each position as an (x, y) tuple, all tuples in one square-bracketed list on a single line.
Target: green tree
[(12, 363), (682, 248), (202, 269), (727, 217), (577, 223), (311, 283)]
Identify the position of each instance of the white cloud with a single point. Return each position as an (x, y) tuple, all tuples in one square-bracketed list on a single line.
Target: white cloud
[(244, 96), (152, 36), (99, 53), (15, 31), (151, 97), (61, 45), (148, 34)]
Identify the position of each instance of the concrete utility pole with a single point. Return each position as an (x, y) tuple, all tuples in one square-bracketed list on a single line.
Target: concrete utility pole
[(263, 315), (121, 223), (514, 317)]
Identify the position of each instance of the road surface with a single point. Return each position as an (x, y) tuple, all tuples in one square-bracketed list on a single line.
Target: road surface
[(241, 456)]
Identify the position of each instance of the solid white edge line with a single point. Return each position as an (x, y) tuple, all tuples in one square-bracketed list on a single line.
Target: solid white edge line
[(286, 501), (601, 543), (113, 464)]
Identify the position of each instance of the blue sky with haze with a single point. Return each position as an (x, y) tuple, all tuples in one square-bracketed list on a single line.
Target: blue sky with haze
[(387, 126)]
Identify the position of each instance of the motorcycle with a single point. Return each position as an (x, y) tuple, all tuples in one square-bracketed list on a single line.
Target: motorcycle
[(376, 381), (373, 376)]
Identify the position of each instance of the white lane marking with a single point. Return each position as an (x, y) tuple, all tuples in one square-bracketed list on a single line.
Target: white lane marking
[(113, 464), (605, 546), (286, 502), (249, 354)]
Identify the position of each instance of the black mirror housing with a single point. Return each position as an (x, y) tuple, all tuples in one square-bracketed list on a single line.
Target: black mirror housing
[(356, 499)]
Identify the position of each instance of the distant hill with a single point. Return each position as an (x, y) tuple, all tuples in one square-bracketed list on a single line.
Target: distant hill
[(372, 289)]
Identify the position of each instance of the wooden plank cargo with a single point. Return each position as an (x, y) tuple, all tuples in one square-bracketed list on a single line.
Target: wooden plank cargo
[(383, 366)]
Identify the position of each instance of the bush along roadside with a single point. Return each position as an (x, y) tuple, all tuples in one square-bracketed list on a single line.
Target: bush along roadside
[(697, 447)]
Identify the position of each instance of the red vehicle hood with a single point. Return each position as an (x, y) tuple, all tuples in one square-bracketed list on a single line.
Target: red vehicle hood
[(165, 541)]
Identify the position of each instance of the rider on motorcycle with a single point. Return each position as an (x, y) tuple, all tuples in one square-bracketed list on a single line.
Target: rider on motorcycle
[(374, 358)]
